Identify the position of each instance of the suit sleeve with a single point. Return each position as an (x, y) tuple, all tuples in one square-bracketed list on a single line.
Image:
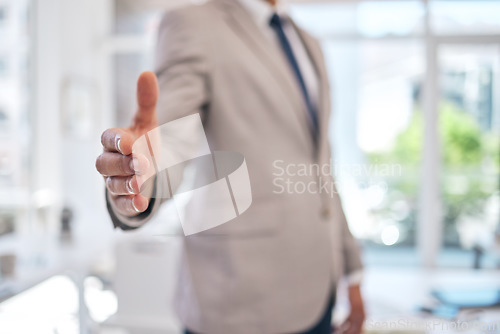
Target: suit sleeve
[(181, 66), (351, 251)]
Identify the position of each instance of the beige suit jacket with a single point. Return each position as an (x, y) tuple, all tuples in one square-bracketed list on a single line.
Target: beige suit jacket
[(272, 269)]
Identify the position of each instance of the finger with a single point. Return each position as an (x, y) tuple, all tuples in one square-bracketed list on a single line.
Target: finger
[(147, 96), (114, 164), (353, 329), (117, 140), (344, 326), (130, 205), (122, 185), (353, 326)]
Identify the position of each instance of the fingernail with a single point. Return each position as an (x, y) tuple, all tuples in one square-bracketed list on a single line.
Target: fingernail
[(133, 205), (134, 164), (117, 143), (130, 188)]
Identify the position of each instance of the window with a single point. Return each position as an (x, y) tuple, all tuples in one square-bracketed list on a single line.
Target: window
[(380, 57), (465, 17), (377, 119), (469, 123), (14, 115)]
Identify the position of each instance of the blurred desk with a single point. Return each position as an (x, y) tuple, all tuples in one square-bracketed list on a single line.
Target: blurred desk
[(393, 296)]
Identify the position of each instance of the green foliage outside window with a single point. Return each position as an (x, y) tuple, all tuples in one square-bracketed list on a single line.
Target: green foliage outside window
[(471, 165)]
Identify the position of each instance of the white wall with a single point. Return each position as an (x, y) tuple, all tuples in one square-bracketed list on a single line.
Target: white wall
[(70, 52)]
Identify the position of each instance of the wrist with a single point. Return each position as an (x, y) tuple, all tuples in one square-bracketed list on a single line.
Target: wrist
[(355, 298)]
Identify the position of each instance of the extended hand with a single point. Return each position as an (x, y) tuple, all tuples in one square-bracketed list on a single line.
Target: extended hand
[(117, 164)]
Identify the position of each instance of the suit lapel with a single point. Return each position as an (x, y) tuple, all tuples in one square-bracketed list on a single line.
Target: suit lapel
[(316, 57), (269, 54)]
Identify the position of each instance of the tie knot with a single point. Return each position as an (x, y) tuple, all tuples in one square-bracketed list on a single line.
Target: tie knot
[(275, 20)]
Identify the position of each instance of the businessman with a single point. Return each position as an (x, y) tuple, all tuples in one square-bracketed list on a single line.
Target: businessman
[(260, 85)]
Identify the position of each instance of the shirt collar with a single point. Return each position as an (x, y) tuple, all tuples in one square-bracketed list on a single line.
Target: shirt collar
[(261, 11)]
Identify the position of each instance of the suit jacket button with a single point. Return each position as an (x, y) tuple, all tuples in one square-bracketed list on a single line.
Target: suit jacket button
[(325, 212)]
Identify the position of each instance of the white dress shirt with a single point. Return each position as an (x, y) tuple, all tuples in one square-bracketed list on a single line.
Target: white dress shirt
[(261, 11)]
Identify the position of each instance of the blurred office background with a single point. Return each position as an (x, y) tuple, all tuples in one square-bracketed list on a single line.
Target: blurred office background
[(416, 140)]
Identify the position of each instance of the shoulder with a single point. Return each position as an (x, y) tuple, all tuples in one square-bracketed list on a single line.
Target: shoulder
[(192, 14), (185, 25), (183, 35)]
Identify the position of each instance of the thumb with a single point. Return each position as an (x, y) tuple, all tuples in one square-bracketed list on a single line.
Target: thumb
[(147, 96)]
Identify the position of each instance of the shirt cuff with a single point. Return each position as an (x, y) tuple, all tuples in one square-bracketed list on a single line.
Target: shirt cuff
[(354, 278)]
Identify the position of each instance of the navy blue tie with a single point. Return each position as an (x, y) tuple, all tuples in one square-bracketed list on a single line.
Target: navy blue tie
[(277, 25)]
